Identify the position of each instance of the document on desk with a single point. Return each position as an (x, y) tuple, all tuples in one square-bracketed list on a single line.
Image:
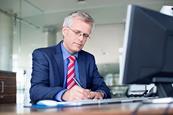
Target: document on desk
[(52, 103)]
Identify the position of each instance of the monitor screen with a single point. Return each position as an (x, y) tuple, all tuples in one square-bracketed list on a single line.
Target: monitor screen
[(148, 48)]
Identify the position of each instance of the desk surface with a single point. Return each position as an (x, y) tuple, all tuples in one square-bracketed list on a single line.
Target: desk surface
[(107, 109)]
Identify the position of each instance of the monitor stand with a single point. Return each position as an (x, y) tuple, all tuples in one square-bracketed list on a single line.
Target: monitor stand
[(164, 86)]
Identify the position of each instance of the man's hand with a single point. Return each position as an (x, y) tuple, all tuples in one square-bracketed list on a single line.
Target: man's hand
[(96, 95), (76, 93)]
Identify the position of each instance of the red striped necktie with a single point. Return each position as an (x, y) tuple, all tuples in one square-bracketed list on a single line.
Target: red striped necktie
[(71, 72)]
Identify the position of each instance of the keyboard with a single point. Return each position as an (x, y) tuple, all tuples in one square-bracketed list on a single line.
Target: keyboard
[(110, 101), (52, 103)]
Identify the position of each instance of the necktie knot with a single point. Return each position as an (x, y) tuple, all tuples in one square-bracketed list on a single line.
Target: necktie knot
[(72, 58)]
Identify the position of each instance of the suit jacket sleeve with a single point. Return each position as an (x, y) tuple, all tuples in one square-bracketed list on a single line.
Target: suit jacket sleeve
[(42, 82), (97, 80)]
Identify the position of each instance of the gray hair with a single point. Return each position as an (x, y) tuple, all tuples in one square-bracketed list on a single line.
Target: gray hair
[(83, 15)]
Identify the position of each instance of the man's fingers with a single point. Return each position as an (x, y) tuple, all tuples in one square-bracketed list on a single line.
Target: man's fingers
[(96, 95), (78, 93)]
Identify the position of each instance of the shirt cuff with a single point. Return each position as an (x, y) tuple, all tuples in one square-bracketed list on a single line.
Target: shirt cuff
[(58, 97)]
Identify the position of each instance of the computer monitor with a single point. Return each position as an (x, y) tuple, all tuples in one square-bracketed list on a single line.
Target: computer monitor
[(147, 55)]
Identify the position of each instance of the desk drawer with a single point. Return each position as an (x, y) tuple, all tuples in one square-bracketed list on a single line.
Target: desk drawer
[(7, 98), (7, 87)]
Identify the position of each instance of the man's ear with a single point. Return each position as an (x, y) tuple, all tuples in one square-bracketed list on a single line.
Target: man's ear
[(64, 31)]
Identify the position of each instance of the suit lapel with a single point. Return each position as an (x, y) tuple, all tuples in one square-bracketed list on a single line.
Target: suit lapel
[(82, 70), (60, 62)]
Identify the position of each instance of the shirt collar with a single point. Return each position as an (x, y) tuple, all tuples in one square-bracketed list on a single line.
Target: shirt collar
[(65, 53)]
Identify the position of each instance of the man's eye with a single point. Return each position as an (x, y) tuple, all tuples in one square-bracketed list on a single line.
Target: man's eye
[(86, 35), (77, 32)]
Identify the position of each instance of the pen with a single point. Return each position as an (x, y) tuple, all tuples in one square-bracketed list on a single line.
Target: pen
[(77, 82)]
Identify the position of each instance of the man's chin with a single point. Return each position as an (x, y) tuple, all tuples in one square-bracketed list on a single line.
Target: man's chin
[(77, 49)]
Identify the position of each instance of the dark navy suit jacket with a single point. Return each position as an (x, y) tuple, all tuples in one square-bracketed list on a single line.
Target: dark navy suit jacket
[(48, 73)]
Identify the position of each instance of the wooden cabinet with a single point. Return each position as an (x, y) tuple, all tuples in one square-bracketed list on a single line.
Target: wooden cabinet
[(7, 87)]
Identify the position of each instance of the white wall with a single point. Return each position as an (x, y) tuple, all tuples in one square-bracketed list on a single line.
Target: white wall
[(105, 43), (6, 39), (29, 38)]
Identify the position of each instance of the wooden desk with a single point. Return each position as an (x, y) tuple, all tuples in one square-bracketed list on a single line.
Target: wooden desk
[(111, 109)]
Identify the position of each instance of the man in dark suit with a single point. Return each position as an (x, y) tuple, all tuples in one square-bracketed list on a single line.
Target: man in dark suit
[(52, 70)]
